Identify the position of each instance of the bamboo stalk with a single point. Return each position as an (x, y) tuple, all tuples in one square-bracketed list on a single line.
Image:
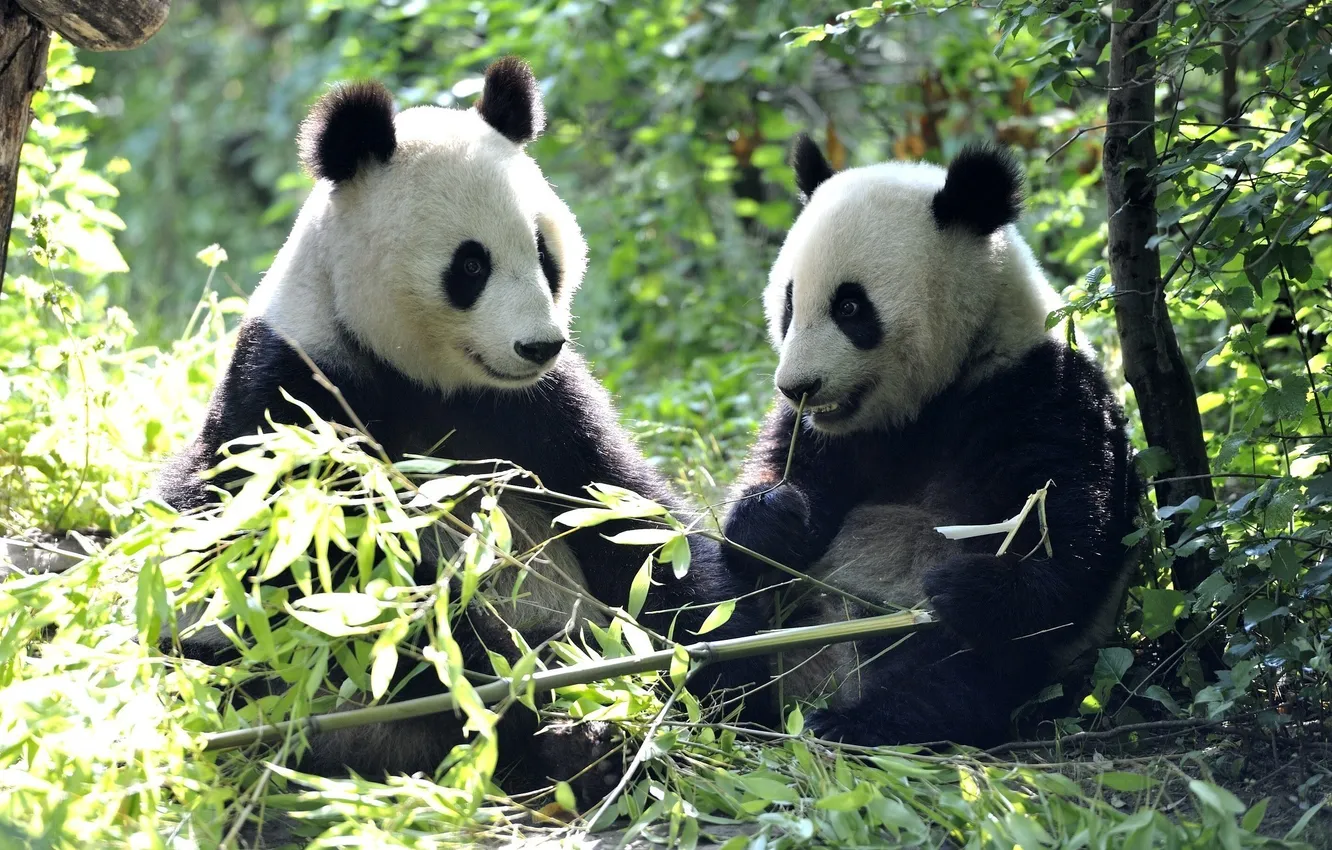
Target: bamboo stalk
[(703, 652)]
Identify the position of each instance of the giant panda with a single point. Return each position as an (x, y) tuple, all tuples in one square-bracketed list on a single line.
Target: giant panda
[(429, 277), (910, 320)]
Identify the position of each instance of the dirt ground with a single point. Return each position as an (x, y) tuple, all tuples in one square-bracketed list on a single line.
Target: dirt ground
[(1294, 774)]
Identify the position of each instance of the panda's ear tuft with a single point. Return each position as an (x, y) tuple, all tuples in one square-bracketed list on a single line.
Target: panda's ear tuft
[(347, 128), (983, 191), (511, 101), (811, 168)]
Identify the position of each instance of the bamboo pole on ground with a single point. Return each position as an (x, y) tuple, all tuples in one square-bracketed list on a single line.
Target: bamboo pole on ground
[(702, 653)]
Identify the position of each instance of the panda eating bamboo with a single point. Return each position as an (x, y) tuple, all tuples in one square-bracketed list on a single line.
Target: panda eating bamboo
[(429, 276), (910, 319)]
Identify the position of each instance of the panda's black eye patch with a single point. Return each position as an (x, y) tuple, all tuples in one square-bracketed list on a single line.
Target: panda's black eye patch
[(466, 276), (854, 313), (787, 308), (550, 266)]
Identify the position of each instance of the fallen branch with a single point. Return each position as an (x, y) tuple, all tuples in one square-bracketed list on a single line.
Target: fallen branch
[(702, 653), (1108, 734)]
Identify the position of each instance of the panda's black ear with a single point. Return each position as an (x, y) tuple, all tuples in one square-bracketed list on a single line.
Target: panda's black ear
[(983, 190), (811, 168), (511, 101), (347, 128)]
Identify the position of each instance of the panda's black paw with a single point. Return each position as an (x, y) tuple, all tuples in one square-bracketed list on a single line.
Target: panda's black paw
[(583, 754), (840, 727), (971, 593), (772, 522)]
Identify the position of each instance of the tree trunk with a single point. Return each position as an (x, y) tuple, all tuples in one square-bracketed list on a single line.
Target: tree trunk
[(1230, 100), (23, 43), (1153, 363)]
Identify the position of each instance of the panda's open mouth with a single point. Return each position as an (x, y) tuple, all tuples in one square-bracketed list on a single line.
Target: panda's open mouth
[(497, 374), (833, 412)]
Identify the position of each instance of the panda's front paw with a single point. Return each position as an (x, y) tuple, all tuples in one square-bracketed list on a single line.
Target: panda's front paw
[(774, 523), (584, 755), (970, 593), (843, 728)]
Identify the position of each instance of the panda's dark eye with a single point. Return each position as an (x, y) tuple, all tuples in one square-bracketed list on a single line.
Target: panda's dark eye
[(550, 264), (466, 276), (854, 313)]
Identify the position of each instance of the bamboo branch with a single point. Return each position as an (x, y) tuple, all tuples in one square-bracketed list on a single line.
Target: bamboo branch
[(703, 653)]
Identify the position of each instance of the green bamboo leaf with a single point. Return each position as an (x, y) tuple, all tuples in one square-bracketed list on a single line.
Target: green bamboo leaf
[(677, 552), (679, 666), (645, 536), (384, 655), (638, 591), (847, 801), (717, 617)]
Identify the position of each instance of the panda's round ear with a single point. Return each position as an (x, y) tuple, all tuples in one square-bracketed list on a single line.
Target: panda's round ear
[(811, 168), (983, 191), (511, 101), (347, 128)]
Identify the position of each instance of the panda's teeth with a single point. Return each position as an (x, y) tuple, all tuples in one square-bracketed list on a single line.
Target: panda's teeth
[(822, 408)]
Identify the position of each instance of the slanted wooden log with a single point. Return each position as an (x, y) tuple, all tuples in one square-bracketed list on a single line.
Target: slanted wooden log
[(25, 34), (23, 44), (101, 24)]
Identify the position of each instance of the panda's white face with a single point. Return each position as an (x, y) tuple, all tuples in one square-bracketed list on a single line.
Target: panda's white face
[(437, 261), (451, 258), (874, 307)]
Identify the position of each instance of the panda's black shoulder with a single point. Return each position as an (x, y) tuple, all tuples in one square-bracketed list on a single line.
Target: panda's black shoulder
[(261, 367), (1049, 386), (568, 424), (1058, 398)]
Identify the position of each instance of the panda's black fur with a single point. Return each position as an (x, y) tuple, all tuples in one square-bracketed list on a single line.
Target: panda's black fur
[(562, 429), (859, 508)]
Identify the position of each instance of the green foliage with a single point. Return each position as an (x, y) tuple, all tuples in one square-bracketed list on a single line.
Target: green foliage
[(668, 128), (119, 764)]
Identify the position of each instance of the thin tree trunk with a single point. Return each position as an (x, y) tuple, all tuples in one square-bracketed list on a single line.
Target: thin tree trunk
[(1153, 362), (23, 43), (1230, 99)]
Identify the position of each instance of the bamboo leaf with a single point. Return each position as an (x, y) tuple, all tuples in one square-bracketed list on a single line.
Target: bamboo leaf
[(638, 590), (717, 617), (645, 536), (384, 657)]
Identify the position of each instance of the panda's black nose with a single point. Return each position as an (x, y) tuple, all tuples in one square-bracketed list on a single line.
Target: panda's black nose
[(538, 352), (806, 390)]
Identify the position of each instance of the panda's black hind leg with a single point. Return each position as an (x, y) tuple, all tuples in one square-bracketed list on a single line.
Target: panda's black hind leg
[(960, 698)]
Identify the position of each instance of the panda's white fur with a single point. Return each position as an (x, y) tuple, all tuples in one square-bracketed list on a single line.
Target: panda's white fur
[(452, 176), (910, 319), (874, 225)]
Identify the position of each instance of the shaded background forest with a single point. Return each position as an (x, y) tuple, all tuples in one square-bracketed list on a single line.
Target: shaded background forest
[(668, 136), (669, 125)]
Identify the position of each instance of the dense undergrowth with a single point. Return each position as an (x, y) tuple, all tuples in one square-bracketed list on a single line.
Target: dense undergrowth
[(104, 732), (101, 734)]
